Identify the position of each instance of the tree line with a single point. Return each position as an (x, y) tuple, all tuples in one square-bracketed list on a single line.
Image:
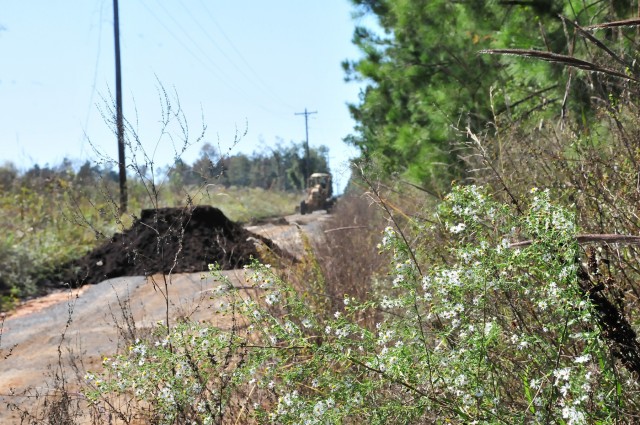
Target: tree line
[(281, 167)]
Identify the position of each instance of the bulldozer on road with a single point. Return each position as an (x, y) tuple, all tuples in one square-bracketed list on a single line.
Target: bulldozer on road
[(319, 194)]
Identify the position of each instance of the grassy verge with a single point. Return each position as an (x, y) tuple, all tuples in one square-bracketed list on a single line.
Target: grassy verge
[(48, 223), (244, 204)]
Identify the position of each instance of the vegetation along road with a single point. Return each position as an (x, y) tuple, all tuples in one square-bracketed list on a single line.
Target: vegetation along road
[(46, 335)]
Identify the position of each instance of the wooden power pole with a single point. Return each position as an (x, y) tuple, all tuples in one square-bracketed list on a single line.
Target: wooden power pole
[(119, 118), (306, 144)]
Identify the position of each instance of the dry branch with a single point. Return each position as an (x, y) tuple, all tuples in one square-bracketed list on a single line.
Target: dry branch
[(345, 228), (560, 59), (633, 22), (588, 238)]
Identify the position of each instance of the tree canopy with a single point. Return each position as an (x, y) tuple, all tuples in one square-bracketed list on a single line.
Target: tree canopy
[(280, 167), (425, 78)]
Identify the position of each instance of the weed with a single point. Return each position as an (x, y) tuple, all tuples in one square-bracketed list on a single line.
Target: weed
[(493, 334)]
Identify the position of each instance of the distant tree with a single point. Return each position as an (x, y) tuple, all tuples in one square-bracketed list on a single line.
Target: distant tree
[(292, 165), (36, 176), (181, 174), (275, 168), (208, 167), (295, 164), (88, 173), (8, 175), (237, 170), (65, 168), (277, 156)]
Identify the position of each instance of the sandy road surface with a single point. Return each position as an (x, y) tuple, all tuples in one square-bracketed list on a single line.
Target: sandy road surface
[(82, 321)]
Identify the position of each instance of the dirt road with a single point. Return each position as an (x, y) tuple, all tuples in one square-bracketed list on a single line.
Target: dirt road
[(44, 333)]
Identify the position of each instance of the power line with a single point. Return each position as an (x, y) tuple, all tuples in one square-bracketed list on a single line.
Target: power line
[(242, 58), (306, 144), (224, 53), (220, 74), (95, 77)]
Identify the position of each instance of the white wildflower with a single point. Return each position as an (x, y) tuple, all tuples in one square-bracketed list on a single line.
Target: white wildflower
[(458, 228), (272, 298), (562, 374), (573, 416), (319, 408), (582, 359)]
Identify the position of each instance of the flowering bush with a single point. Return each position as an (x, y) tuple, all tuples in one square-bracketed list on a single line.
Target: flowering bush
[(491, 332), (181, 377)]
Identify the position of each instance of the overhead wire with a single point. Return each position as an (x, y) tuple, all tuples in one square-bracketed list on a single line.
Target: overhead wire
[(242, 58), (211, 39), (219, 48), (191, 40), (216, 70), (184, 45), (95, 77)]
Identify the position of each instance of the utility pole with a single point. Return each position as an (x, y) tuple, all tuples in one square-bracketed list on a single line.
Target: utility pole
[(119, 118), (306, 143)]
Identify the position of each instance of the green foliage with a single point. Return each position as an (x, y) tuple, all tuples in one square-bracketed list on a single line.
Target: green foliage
[(489, 333), (422, 75), (40, 232), (52, 215), (183, 375), (281, 168), (425, 78), (245, 204)]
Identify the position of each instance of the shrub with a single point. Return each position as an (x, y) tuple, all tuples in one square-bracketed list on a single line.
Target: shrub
[(492, 333), (181, 375)]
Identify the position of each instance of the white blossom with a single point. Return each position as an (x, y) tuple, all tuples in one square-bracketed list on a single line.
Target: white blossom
[(582, 359), (458, 228)]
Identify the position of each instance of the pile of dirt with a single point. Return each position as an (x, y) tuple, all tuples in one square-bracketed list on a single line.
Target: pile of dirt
[(176, 240)]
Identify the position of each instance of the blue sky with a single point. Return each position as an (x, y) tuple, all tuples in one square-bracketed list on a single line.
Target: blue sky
[(235, 65)]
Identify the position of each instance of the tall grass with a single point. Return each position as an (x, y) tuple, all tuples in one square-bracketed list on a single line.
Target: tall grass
[(53, 222)]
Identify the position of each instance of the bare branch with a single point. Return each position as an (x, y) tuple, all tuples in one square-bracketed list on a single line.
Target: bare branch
[(589, 238), (560, 59)]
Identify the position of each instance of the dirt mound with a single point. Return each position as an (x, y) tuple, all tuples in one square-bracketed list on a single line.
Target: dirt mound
[(177, 240)]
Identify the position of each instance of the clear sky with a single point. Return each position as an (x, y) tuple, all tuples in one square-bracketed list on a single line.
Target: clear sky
[(234, 64)]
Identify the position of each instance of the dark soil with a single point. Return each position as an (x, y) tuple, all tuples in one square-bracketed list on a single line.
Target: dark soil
[(167, 240)]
